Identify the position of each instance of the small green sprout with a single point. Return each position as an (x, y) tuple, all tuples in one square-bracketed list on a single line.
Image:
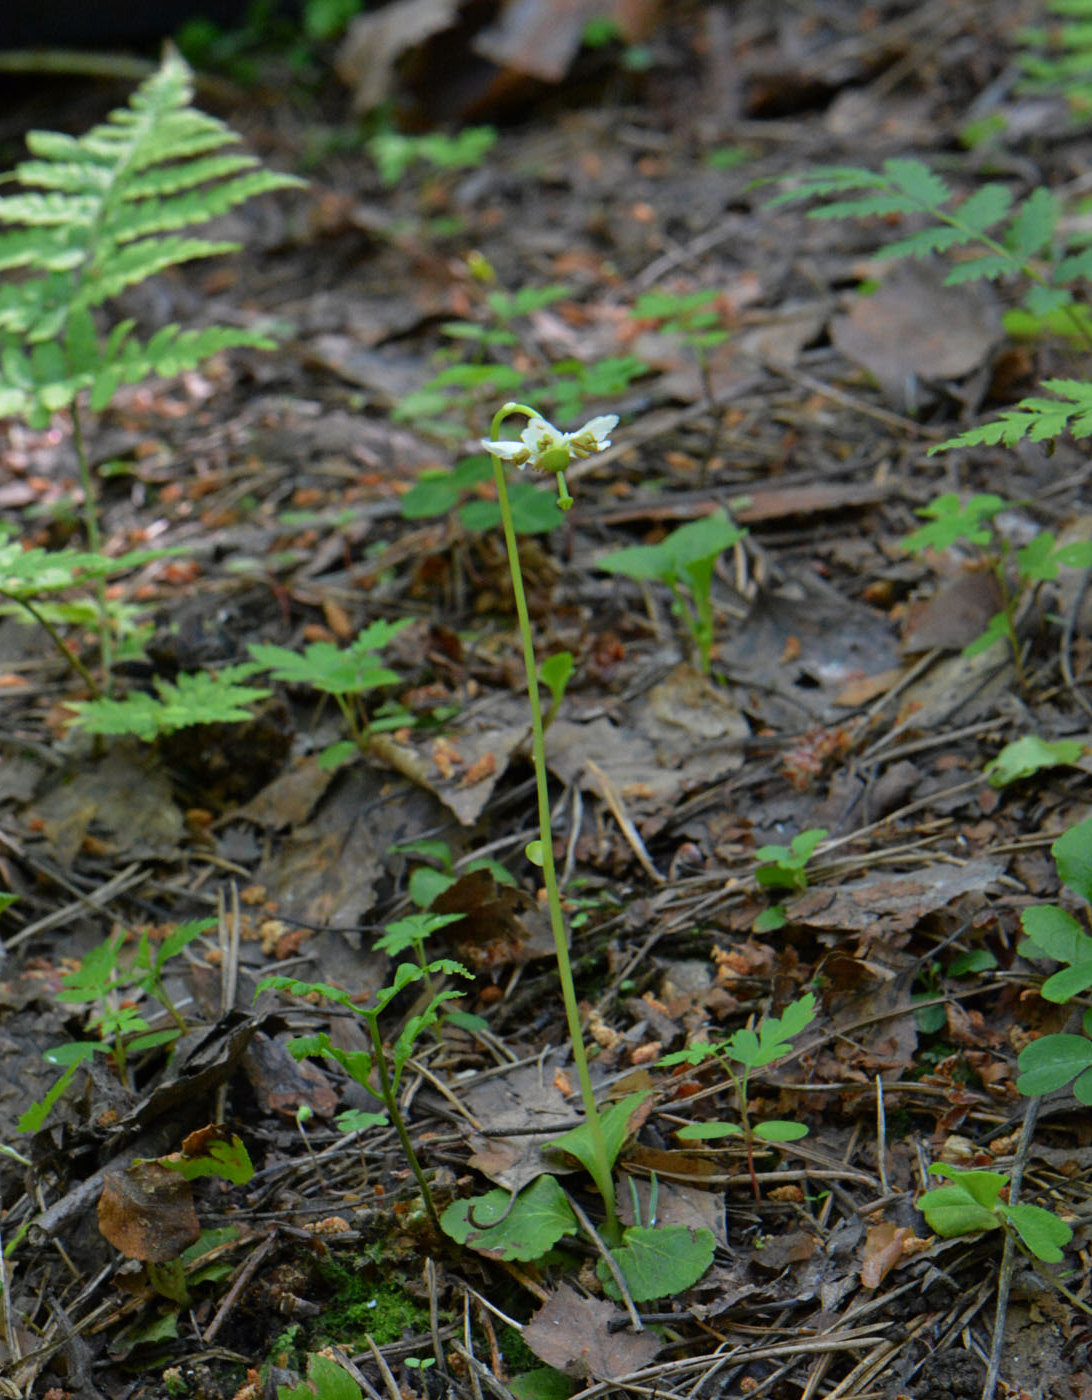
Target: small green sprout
[(684, 561), (785, 869), (771, 1040), (123, 1031), (203, 697), (360, 1064), (394, 152), (951, 519), (972, 1204), (348, 674), (435, 493)]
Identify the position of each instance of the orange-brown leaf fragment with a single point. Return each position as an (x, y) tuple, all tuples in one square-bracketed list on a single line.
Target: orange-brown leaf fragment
[(147, 1213), (886, 1245)]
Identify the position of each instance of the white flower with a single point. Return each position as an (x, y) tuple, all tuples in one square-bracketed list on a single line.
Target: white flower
[(545, 449)]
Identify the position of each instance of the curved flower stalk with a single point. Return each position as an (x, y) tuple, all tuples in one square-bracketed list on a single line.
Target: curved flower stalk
[(544, 448)]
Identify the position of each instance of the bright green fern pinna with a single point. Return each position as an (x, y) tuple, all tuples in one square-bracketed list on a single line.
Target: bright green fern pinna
[(101, 212)]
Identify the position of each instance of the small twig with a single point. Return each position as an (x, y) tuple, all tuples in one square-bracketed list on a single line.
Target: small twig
[(245, 1273), (434, 1315), (618, 810), (609, 1260), (881, 1137), (1008, 1255), (384, 1370)]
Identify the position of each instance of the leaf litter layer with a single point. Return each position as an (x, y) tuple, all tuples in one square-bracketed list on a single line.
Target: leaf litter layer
[(281, 479)]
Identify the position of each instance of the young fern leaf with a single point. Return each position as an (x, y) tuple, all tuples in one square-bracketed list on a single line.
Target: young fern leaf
[(1064, 64), (1004, 246), (1039, 419), (99, 213)]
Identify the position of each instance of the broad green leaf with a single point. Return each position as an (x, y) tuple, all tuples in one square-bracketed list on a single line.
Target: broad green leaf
[(778, 1130), (335, 755), (434, 493), (974, 960), (543, 1383), (983, 1187), (427, 885), (38, 1112), (1052, 1061), (535, 510), (1042, 1232), (326, 1380), (616, 1129), (951, 1211), (501, 1226), (659, 1262), (1068, 983), (554, 673), (1073, 855), (707, 1132), (1056, 933), (226, 1158), (500, 873), (359, 1120), (770, 919), (1025, 757)]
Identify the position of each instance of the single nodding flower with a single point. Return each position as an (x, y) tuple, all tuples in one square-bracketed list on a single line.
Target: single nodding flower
[(543, 448)]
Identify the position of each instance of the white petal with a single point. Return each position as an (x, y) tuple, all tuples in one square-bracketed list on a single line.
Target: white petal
[(540, 436), (601, 428), (513, 450)]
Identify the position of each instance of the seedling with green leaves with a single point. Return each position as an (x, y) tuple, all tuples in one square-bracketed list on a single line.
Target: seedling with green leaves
[(103, 980), (1057, 57), (655, 1261), (387, 1067), (448, 403), (203, 697), (98, 214), (684, 561), (951, 518), (753, 1049), (349, 674), (534, 511), (691, 317), (785, 868), (35, 585), (972, 1204), (394, 152), (994, 239), (1055, 1060)]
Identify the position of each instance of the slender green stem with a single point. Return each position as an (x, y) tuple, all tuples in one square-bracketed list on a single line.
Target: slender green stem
[(391, 1100), (602, 1175), (71, 659), (94, 544)]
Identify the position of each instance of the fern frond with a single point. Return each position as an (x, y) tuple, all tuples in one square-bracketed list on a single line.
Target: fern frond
[(1004, 242), (102, 212), (1036, 418), (1064, 63)]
